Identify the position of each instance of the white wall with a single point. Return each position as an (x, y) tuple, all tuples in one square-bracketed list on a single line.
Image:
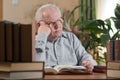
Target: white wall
[(105, 8)]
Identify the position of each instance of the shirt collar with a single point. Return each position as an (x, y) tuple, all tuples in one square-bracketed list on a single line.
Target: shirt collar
[(64, 35)]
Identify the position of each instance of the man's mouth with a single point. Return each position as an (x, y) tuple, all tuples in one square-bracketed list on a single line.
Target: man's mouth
[(57, 30)]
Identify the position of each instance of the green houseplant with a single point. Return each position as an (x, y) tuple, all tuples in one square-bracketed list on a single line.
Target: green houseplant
[(94, 33), (100, 29)]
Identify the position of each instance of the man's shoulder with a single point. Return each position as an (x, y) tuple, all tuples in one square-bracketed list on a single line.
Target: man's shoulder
[(67, 34)]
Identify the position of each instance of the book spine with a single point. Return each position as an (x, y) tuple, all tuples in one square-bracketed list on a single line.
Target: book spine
[(26, 42), (9, 41), (16, 43), (2, 41), (117, 50), (111, 50), (108, 51)]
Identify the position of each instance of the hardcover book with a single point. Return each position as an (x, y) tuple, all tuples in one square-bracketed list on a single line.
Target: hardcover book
[(117, 50), (2, 41), (113, 50), (27, 43), (113, 69), (16, 43), (9, 41), (113, 73), (21, 75), (21, 70), (113, 65)]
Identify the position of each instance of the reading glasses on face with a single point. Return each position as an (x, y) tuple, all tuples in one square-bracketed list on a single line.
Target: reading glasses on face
[(53, 23)]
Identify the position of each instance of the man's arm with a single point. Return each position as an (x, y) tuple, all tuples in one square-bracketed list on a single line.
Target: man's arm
[(41, 39), (83, 57)]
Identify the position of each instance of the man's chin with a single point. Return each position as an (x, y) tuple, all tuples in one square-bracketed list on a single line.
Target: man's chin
[(58, 34), (55, 37)]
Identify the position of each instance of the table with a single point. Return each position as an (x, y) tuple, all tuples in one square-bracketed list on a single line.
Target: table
[(78, 76)]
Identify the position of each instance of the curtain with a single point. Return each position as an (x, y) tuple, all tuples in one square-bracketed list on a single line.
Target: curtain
[(87, 10)]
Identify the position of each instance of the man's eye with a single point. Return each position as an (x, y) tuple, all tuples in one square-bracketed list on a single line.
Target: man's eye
[(53, 23), (48, 23)]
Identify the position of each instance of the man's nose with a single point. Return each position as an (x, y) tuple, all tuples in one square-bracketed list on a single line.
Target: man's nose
[(56, 27)]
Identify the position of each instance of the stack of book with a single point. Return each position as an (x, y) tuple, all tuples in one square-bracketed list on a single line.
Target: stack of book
[(24, 70), (113, 58), (113, 50), (17, 51), (113, 69), (16, 42)]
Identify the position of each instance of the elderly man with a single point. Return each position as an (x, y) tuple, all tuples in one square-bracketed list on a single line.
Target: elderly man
[(53, 45)]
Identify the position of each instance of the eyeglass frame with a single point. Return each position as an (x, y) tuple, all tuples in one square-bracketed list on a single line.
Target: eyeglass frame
[(52, 23)]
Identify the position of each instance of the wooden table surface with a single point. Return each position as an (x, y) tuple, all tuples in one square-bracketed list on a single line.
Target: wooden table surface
[(78, 76)]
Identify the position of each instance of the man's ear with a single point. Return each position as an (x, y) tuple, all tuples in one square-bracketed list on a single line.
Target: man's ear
[(37, 24), (61, 20)]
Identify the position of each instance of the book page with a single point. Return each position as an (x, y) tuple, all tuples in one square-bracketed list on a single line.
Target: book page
[(66, 69), (50, 70), (58, 67)]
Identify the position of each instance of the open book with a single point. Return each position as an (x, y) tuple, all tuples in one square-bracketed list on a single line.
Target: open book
[(64, 69)]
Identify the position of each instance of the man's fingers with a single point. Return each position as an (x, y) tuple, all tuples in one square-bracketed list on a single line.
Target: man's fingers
[(88, 65), (84, 63), (42, 23)]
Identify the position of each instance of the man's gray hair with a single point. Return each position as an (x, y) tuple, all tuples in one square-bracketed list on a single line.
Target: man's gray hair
[(39, 12)]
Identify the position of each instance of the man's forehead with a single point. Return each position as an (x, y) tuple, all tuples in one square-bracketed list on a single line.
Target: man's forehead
[(50, 16)]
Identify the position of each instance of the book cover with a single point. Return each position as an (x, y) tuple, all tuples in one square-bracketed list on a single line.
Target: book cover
[(22, 70), (22, 75), (113, 65), (21, 66), (2, 41)]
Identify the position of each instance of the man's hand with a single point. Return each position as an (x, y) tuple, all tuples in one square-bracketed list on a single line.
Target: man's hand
[(89, 65), (44, 28)]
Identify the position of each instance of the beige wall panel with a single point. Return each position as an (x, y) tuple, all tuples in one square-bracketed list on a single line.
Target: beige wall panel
[(0, 10), (23, 11)]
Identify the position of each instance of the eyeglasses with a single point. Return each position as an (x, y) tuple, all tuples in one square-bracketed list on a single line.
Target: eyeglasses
[(53, 23)]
